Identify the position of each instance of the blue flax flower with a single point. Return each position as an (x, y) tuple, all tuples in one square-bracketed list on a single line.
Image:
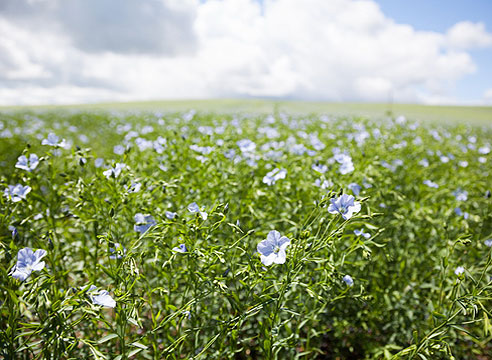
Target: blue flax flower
[(431, 184), (180, 248), (344, 205), (119, 149), (194, 208), (320, 168), (424, 162), (143, 223), (17, 193), (246, 145), (324, 185), (460, 195), (101, 297), (171, 215), (134, 187), (53, 140), (116, 171), (459, 212), (362, 233), (272, 249), (355, 188), (346, 164), (274, 175), (459, 270), (28, 164), (27, 262), (117, 252), (348, 280)]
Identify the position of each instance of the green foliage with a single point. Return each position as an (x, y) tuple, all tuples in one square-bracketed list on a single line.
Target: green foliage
[(215, 299)]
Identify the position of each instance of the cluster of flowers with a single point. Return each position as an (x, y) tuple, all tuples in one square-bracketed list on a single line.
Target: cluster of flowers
[(272, 250), (29, 261), (18, 192)]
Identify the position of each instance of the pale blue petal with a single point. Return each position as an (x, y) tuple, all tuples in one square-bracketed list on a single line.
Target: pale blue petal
[(38, 266), (333, 209), (273, 235), (193, 207), (21, 274), (24, 257), (281, 257), (268, 260), (39, 254), (104, 299), (283, 242), (265, 247)]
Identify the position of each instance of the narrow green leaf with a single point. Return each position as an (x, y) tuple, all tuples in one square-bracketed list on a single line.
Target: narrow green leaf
[(107, 338)]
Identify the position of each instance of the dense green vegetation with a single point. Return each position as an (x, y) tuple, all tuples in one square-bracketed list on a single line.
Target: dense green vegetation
[(148, 232)]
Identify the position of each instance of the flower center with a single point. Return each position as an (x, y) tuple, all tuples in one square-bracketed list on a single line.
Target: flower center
[(343, 209), (276, 249)]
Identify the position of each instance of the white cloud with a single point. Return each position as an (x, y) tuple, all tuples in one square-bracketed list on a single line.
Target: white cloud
[(310, 49), (159, 27), (468, 35), (21, 58), (129, 26)]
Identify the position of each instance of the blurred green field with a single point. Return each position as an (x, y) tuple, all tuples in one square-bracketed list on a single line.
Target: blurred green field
[(448, 114)]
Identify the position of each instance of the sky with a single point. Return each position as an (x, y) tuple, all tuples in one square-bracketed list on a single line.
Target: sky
[(86, 51)]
